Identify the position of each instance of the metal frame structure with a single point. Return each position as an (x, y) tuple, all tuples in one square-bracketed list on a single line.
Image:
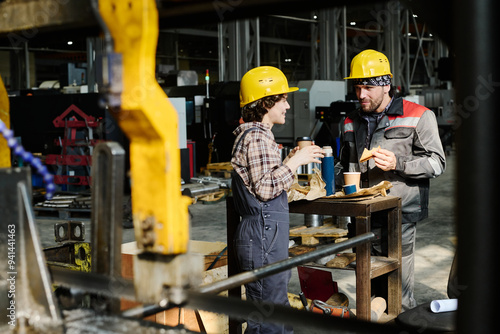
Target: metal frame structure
[(239, 44), (239, 48), (394, 41), (332, 58)]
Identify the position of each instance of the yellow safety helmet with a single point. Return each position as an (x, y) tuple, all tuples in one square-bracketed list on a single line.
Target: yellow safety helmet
[(369, 64), (263, 81)]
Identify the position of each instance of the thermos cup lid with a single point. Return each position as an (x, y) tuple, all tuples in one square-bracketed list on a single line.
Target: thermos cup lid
[(328, 150)]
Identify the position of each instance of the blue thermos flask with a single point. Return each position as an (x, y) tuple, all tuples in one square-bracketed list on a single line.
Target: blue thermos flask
[(327, 170)]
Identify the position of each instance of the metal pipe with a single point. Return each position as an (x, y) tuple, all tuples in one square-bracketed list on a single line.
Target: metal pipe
[(199, 189), (251, 276), (107, 34), (99, 284), (27, 65), (267, 312), (274, 268)]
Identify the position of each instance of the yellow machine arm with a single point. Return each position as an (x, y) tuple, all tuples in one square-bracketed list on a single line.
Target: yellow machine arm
[(149, 120), (5, 117)]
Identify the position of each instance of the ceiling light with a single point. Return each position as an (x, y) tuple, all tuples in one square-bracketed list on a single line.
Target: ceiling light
[(352, 23), (70, 42)]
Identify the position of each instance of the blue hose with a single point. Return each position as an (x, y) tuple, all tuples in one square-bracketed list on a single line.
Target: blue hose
[(19, 151)]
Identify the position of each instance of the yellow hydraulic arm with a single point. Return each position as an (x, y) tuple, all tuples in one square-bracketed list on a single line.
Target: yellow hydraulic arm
[(5, 117), (149, 120)]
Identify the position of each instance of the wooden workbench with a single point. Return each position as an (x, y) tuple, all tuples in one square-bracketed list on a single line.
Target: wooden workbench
[(388, 267)]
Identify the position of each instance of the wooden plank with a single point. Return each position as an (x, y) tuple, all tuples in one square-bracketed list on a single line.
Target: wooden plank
[(219, 166), (299, 250), (215, 173), (341, 261), (383, 265), (310, 235), (319, 231), (309, 240)]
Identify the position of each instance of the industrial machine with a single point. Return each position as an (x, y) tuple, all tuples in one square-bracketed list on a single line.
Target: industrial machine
[(301, 117)]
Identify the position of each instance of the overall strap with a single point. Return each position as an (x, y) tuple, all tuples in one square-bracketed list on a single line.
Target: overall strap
[(241, 138)]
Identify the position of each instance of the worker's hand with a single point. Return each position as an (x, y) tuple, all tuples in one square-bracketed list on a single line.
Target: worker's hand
[(384, 159), (293, 151), (305, 156)]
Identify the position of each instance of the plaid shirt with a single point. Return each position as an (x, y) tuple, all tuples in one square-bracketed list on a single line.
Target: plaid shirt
[(258, 161)]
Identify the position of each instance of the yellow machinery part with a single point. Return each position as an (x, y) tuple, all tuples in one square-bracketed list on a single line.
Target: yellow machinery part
[(5, 117), (150, 121)]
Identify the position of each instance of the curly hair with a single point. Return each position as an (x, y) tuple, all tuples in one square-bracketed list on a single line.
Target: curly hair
[(255, 111)]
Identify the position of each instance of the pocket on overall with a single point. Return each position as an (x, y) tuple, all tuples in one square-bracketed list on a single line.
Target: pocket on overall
[(248, 244), (269, 237), (275, 241), (243, 249)]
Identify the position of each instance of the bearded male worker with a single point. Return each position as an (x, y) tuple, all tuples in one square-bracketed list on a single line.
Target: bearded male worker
[(410, 154)]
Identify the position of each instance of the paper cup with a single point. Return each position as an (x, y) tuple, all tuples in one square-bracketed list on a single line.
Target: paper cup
[(304, 141), (353, 178), (349, 189)]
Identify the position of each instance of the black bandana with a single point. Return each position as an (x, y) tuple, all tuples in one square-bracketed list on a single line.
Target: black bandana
[(382, 80)]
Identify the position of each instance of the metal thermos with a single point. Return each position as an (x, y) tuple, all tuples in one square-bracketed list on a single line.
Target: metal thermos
[(327, 170), (301, 143)]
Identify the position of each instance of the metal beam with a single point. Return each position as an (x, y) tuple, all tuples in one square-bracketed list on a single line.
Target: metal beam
[(25, 285), (477, 73), (23, 20), (108, 173)]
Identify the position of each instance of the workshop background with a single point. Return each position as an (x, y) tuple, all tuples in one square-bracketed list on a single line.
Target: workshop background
[(62, 76)]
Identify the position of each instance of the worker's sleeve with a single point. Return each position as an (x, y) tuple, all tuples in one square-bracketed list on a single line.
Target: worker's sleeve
[(428, 159), (267, 175)]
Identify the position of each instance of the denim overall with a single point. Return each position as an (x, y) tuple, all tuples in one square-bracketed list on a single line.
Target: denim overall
[(261, 238)]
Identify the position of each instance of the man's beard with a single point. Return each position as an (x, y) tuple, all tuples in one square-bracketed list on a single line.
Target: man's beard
[(374, 105)]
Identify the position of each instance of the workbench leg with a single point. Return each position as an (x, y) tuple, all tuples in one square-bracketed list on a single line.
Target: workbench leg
[(232, 219), (394, 251), (363, 270)]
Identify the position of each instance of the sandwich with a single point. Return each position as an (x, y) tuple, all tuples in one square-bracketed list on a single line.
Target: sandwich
[(368, 154)]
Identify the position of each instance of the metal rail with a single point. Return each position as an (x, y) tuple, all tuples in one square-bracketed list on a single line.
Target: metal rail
[(251, 276)]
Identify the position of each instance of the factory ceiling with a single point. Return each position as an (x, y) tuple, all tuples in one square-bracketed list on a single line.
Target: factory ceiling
[(49, 24)]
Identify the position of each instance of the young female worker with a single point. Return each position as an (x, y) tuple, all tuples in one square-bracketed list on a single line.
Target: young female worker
[(260, 185)]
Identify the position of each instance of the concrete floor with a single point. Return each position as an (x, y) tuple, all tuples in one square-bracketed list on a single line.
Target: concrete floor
[(434, 251)]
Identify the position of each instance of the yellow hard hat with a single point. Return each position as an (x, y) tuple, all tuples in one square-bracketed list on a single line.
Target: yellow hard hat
[(369, 64), (263, 81)]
